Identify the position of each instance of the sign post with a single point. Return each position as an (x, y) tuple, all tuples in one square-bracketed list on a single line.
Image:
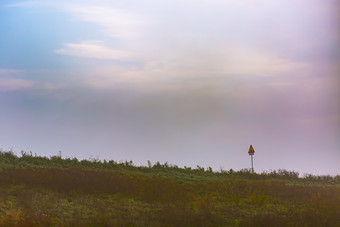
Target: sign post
[(251, 152)]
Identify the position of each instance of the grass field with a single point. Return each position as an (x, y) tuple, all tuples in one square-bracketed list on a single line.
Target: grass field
[(41, 191)]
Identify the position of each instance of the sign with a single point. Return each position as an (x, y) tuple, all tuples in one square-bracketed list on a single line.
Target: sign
[(251, 150)]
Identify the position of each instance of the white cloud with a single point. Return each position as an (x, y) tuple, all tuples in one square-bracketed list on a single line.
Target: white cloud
[(256, 62), (25, 4), (116, 22), (198, 69), (177, 40), (11, 84), (93, 49)]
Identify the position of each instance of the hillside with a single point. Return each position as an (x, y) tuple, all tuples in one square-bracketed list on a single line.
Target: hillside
[(41, 191)]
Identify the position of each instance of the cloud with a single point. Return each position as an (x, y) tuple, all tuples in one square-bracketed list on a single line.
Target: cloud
[(176, 40), (11, 84), (25, 4), (93, 49), (116, 22), (8, 72), (254, 61), (199, 68)]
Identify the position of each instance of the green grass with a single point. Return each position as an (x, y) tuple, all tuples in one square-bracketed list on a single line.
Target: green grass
[(41, 191)]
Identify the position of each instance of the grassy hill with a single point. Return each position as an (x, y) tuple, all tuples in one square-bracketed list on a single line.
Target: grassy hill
[(41, 191)]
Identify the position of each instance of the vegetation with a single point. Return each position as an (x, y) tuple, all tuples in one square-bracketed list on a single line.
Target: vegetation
[(41, 191)]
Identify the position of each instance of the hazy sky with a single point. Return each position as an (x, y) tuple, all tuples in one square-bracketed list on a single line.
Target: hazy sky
[(188, 82)]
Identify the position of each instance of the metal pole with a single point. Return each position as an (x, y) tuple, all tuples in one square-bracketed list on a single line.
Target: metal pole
[(252, 164)]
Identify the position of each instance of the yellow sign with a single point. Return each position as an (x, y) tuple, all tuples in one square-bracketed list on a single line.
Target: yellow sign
[(251, 150)]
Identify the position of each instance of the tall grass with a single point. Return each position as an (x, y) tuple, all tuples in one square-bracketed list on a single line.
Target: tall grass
[(41, 191), (9, 159)]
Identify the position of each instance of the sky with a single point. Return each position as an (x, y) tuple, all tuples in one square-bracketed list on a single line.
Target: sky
[(184, 82)]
